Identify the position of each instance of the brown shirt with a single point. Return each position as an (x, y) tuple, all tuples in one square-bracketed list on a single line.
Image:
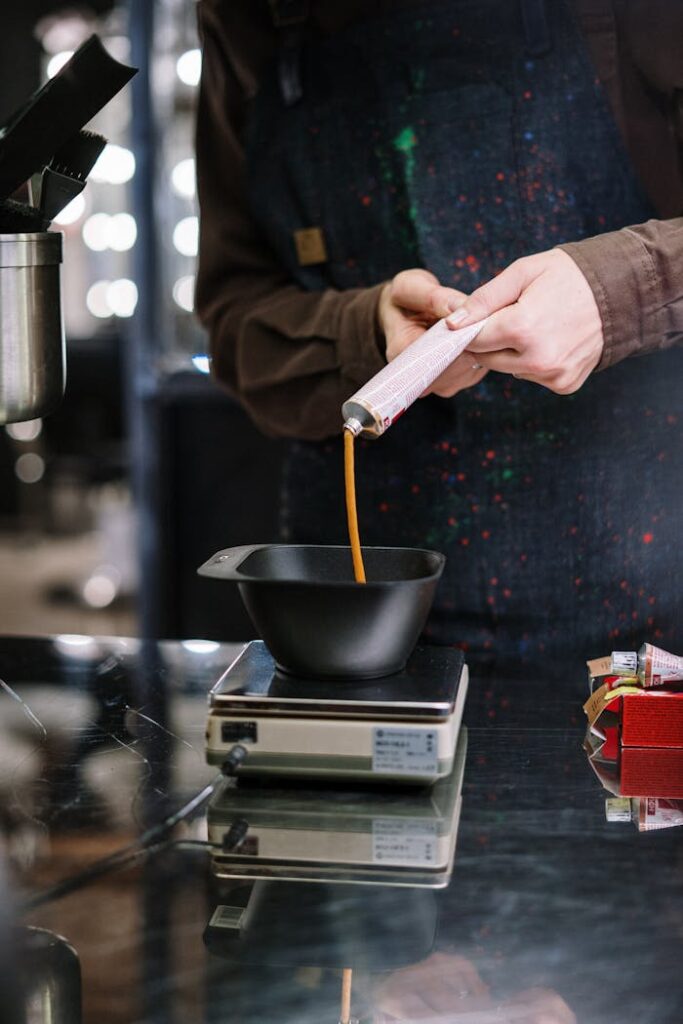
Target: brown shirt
[(292, 357)]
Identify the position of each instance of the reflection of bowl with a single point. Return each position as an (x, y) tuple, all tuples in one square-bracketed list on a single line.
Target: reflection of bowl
[(317, 621)]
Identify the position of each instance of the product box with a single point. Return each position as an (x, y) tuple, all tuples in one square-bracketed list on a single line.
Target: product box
[(647, 813), (643, 718), (636, 771), (651, 771), (652, 719), (634, 740), (653, 813)]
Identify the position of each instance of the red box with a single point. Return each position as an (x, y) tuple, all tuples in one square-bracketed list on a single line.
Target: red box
[(635, 742), (651, 771), (652, 720)]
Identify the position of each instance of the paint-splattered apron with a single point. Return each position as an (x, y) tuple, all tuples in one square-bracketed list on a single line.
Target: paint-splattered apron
[(440, 137)]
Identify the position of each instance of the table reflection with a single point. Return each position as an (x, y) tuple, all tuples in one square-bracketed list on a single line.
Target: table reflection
[(547, 901)]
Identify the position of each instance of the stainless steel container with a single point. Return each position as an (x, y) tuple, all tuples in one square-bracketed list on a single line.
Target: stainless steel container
[(49, 977), (32, 355)]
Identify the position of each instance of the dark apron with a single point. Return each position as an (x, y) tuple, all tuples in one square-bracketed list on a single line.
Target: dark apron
[(434, 137)]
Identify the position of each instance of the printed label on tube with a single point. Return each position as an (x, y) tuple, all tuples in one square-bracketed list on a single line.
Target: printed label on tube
[(657, 812), (624, 663), (398, 384), (657, 667)]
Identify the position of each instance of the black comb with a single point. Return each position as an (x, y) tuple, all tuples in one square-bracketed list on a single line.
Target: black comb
[(77, 157), (65, 178)]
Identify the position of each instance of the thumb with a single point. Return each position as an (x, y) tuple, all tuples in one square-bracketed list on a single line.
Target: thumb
[(497, 293)]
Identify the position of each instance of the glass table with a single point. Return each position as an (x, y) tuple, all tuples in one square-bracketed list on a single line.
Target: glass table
[(552, 913)]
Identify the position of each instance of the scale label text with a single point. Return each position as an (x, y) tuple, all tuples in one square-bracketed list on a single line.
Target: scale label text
[(411, 842), (404, 751)]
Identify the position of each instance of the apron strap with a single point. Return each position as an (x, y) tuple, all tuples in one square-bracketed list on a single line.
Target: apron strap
[(289, 18), (536, 28)]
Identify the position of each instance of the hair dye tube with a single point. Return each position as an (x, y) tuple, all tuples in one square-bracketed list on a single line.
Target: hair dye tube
[(653, 812), (624, 663), (380, 402), (657, 667)]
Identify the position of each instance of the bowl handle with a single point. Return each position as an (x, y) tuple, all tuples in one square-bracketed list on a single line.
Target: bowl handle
[(224, 565)]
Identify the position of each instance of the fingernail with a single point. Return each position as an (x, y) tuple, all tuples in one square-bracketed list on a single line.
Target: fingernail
[(457, 318)]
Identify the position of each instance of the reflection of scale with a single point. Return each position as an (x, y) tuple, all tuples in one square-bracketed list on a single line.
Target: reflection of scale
[(295, 925), (379, 835), (401, 728)]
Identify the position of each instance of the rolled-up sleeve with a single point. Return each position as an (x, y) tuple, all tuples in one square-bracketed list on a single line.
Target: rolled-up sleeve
[(636, 276)]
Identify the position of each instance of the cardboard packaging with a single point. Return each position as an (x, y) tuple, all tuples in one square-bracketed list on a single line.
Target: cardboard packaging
[(634, 741)]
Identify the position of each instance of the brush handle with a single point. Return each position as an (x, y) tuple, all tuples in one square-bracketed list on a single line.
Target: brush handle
[(58, 111)]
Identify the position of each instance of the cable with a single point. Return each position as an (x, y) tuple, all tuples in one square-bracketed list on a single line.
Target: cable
[(235, 835), (149, 842)]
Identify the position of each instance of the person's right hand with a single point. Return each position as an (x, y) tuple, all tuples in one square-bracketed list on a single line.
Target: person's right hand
[(444, 987), (412, 302), (448, 989)]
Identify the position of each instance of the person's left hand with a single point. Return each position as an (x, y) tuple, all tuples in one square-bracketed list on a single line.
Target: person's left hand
[(408, 306), (544, 324)]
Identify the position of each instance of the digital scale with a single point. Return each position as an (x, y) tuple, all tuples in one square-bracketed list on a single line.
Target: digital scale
[(381, 835), (399, 729)]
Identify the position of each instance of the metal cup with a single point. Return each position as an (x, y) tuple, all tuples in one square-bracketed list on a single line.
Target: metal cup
[(32, 352), (49, 978)]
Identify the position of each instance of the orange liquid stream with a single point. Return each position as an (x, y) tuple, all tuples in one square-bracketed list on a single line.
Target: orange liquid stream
[(347, 976), (351, 512)]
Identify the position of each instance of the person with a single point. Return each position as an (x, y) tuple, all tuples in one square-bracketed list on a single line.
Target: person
[(364, 169)]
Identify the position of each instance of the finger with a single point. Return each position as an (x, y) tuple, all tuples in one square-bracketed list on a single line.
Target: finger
[(448, 386), (420, 290), (510, 361), (407, 1004), (443, 301), (506, 360), (401, 333), (463, 972), (464, 372), (441, 995), (411, 288), (543, 1001), (497, 293), (505, 329)]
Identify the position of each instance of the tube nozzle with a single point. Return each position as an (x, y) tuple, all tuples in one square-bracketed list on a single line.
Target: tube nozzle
[(353, 425)]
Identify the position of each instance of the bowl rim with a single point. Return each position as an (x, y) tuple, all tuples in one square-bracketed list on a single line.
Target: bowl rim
[(226, 565)]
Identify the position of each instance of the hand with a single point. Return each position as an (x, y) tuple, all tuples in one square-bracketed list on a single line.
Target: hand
[(433, 991), (411, 303), (536, 1006), (545, 325), (442, 984)]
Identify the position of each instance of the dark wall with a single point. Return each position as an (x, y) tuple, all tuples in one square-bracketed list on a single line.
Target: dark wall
[(19, 49), (221, 488)]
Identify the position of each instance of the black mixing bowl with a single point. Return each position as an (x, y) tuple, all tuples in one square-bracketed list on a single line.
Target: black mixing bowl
[(317, 621)]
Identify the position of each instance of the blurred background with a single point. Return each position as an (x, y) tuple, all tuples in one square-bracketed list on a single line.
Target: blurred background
[(108, 506)]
